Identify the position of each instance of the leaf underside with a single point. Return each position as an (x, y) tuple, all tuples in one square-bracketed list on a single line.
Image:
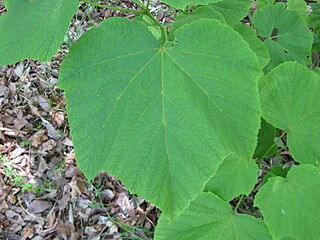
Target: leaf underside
[(157, 117), (34, 29)]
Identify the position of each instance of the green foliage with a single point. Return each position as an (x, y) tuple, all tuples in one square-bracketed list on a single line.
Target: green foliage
[(176, 115), (297, 111), (210, 217), (235, 176), (180, 119), (181, 4), (290, 205), (300, 6), (284, 33), (34, 29), (266, 140)]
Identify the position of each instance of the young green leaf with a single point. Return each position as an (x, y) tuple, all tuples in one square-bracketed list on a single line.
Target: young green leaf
[(34, 29), (285, 34), (266, 137), (158, 116), (209, 217), (290, 206), (182, 4), (289, 97)]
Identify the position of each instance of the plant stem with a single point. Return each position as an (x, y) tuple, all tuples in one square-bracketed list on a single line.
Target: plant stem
[(148, 3), (238, 204), (163, 28), (273, 145), (111, 8)]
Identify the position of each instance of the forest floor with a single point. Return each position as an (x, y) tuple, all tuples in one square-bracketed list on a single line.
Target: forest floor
[(43, 194)]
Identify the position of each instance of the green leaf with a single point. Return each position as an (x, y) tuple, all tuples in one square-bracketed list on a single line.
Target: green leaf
[(34, 29), (232, 10), (153, 28), (290, 206), (262, 3), (266, 137), (300, 6), (203, 12), (182, 4), (313, 20), (158, 116), (289, 97), (209, 217), (285, 34), (275, 171), (255, 44), (235, 176)]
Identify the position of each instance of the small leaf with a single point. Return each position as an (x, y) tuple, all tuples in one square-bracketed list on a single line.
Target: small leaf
[(182, 4), (255, 44), (290, 206), (266, 137), (275, 171), (34, 29), (285, 34), (209, 217), (235, 176), (158, 116), (289, 97)]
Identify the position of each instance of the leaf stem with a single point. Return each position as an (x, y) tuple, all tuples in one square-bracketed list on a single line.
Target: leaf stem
[(148, 3), (111, 8), (238, 204), (149, 15)]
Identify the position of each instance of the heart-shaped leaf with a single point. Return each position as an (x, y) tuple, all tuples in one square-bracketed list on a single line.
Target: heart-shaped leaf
[(158, 116)]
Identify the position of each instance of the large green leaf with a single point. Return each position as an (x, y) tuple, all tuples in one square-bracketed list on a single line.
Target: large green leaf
[(285, 34), (181, 4), (34, 29), (158, 116), (290, 206), (209, 217), (289, 97)]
